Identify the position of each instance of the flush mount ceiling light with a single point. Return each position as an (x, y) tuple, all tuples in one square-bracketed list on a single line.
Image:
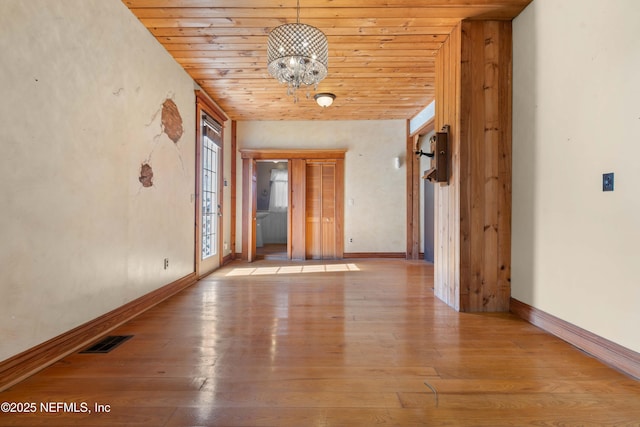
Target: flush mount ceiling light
[(297, 55), (324, 99)]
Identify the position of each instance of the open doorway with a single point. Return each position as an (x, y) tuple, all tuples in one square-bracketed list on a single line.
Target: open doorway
[(297, 218), (272, 209)]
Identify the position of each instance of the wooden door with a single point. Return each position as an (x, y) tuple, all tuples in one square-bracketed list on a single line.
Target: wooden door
[(208, 206), (321, 233), (209, 196)]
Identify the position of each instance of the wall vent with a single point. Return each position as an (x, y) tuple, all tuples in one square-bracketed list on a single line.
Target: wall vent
[(107, 344)]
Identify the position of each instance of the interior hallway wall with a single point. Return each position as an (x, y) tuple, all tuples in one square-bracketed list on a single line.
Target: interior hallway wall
[(83, 85), (576, 116), (375, 196)]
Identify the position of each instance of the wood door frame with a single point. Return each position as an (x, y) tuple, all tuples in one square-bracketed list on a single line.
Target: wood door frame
[(249, 191), (249, 203), (206, 106), (414, 175)]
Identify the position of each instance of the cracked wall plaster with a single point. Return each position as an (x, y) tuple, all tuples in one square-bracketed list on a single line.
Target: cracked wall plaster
[(171, 120), (146, 175)]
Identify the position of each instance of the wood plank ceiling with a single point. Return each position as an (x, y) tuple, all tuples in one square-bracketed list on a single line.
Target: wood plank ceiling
[(381, 52)]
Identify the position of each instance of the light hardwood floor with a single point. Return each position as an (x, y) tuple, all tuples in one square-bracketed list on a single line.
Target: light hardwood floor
[(271, 252), (346, 343)]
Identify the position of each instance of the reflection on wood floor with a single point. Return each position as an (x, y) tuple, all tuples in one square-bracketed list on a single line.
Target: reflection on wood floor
[(343, 343)]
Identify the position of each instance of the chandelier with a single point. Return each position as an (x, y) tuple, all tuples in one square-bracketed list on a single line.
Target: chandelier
[(297, 55)]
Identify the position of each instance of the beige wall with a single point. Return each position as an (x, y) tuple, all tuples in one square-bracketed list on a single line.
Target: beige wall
[(576, 116), (82, 86), (376, 218)]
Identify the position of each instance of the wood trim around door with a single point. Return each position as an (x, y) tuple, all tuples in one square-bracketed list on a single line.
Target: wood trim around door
[(273, 154), (249, 201), (206, 106), (413, 199), (249, 156), (413, 189), (339, 208)]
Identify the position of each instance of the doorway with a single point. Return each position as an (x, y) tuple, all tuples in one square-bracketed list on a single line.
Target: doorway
[(297, 160), (208, 200), (272, 209)]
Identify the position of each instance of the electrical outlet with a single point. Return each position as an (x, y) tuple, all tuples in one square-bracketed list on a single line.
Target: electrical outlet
[(350, 239), (607, 181), (166, 263)]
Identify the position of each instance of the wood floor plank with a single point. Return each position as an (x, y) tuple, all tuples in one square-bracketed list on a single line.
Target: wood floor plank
[(556, 416), (117, 417), (258, 417), (252, 346), (53, 385)]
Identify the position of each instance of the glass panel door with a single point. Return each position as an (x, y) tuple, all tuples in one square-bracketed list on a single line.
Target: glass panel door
[(210, 207)]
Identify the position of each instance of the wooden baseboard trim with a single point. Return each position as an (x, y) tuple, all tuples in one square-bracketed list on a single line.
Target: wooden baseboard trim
[(610, 353), (374, 255), (360, 255), (27, 363), (227, 259)]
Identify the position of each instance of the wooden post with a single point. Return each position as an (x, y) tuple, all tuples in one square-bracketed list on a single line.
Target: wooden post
[(473, 213)]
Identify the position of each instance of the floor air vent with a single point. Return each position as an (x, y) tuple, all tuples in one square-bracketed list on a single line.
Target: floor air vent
[(107, 344)]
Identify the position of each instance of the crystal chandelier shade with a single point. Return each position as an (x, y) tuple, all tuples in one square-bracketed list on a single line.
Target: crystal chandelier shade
[(297, 55)]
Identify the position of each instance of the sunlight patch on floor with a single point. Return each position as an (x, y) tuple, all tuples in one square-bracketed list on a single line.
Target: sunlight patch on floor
[(292, 269)]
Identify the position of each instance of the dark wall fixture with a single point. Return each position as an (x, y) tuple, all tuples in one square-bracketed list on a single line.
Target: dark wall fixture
[(439, 154)]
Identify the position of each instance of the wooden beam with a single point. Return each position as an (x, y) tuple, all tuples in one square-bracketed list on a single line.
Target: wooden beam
[(268, 154), (485, 179), (446, 197)]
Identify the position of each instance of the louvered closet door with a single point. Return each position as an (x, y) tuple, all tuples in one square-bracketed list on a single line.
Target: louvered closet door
[(313, 234), (321, 211)]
